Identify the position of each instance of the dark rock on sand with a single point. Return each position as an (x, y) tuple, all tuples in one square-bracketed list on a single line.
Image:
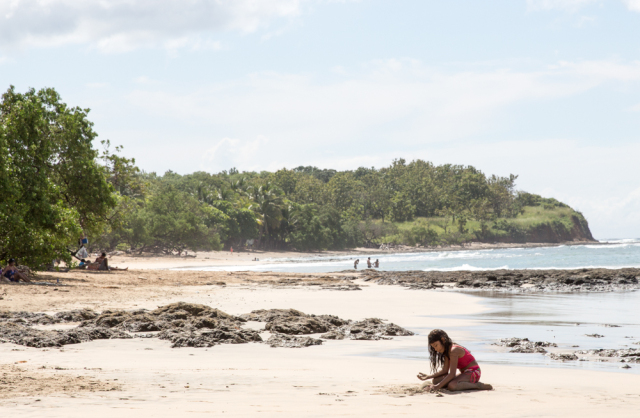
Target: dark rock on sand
[(368, 329), (27, 336), (78, 315), (583, 280), (44, 319), (290, 341), (184, 324), (297, 326), (594, 335), (563, 356), (172, 316), (626, 355), (293, 322), (190, 325), (222, 334), (523, 345), (268, 315)]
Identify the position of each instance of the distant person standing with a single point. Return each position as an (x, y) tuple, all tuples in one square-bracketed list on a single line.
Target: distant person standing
[(231, 249), (355, 263), (369, 262), (376, 264)]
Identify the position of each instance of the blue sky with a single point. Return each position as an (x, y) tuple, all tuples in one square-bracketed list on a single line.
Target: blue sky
[(546, 89)]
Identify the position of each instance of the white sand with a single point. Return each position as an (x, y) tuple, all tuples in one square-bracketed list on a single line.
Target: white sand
[(338, 378)]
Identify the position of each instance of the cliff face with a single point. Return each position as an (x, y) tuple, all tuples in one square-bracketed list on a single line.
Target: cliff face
[(553, 232), (556, 232)]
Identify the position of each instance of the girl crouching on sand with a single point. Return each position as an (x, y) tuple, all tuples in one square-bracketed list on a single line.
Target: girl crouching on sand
[(448, 356)]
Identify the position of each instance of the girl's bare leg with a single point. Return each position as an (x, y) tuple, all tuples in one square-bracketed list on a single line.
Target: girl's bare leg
[(462, 382), (22, 277)]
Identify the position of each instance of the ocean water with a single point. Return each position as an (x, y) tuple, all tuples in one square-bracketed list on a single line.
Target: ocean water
[(561, 318), (608, 254)]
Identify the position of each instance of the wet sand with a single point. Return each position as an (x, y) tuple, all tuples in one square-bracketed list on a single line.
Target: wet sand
[(145, 377)]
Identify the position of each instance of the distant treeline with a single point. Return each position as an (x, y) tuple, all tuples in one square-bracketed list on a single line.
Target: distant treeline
[(56, 186), (307, 208)]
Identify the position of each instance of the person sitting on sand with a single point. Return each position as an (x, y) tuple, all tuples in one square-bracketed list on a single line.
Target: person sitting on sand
[(355, 263), (11, 274), (84, 264), (376, 264), (448, 355), (102, 263), (369, 262)]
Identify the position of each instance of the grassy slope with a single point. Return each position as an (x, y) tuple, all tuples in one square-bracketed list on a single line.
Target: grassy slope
[(524, 225)]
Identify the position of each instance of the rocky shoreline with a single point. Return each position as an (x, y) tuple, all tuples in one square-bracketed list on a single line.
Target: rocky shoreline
[(190, 325), (523, 345), (576, 280)]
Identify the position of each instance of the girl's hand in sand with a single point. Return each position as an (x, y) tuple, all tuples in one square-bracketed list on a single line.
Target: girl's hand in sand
[(422, 376), (429, 388)]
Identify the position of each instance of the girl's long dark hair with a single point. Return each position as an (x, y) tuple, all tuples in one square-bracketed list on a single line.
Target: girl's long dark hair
[(438, 359)]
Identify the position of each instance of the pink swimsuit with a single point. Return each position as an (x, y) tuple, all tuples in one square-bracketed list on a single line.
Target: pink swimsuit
[(464, 361)]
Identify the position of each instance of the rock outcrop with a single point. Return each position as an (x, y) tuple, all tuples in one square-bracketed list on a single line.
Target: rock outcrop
[(523, 345), (577, 280), (189, 325)]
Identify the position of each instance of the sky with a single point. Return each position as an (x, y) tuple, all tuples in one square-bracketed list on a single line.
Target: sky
[(545, 89)]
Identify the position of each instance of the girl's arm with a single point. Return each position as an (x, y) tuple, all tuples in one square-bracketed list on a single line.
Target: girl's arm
[(443, 372), (453, 364)]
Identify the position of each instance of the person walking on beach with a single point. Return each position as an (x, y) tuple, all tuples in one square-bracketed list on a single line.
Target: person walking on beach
[(447, 355), (355, 263)]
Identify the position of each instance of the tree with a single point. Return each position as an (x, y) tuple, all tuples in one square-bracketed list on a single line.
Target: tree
[(174, 221), (51, 185), (267, 204), (501, 194)]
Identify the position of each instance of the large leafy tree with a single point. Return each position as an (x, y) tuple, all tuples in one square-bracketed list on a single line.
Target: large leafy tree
[(174, 221), (51, 186)]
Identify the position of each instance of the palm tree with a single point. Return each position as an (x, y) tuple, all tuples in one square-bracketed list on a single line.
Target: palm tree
[(268, 203)]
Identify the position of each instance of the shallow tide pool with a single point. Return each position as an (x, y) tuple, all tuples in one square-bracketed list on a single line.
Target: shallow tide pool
[(561, 318)]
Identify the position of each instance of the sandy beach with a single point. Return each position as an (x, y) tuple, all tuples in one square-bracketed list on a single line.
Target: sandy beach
[(146, 377)]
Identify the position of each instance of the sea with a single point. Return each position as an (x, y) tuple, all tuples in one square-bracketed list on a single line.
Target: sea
[(613, 253), (562, 318)]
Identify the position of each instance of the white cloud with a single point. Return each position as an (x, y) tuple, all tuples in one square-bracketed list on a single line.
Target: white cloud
[(229, 152), (633, 5), (396, 97), (120, 25)]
